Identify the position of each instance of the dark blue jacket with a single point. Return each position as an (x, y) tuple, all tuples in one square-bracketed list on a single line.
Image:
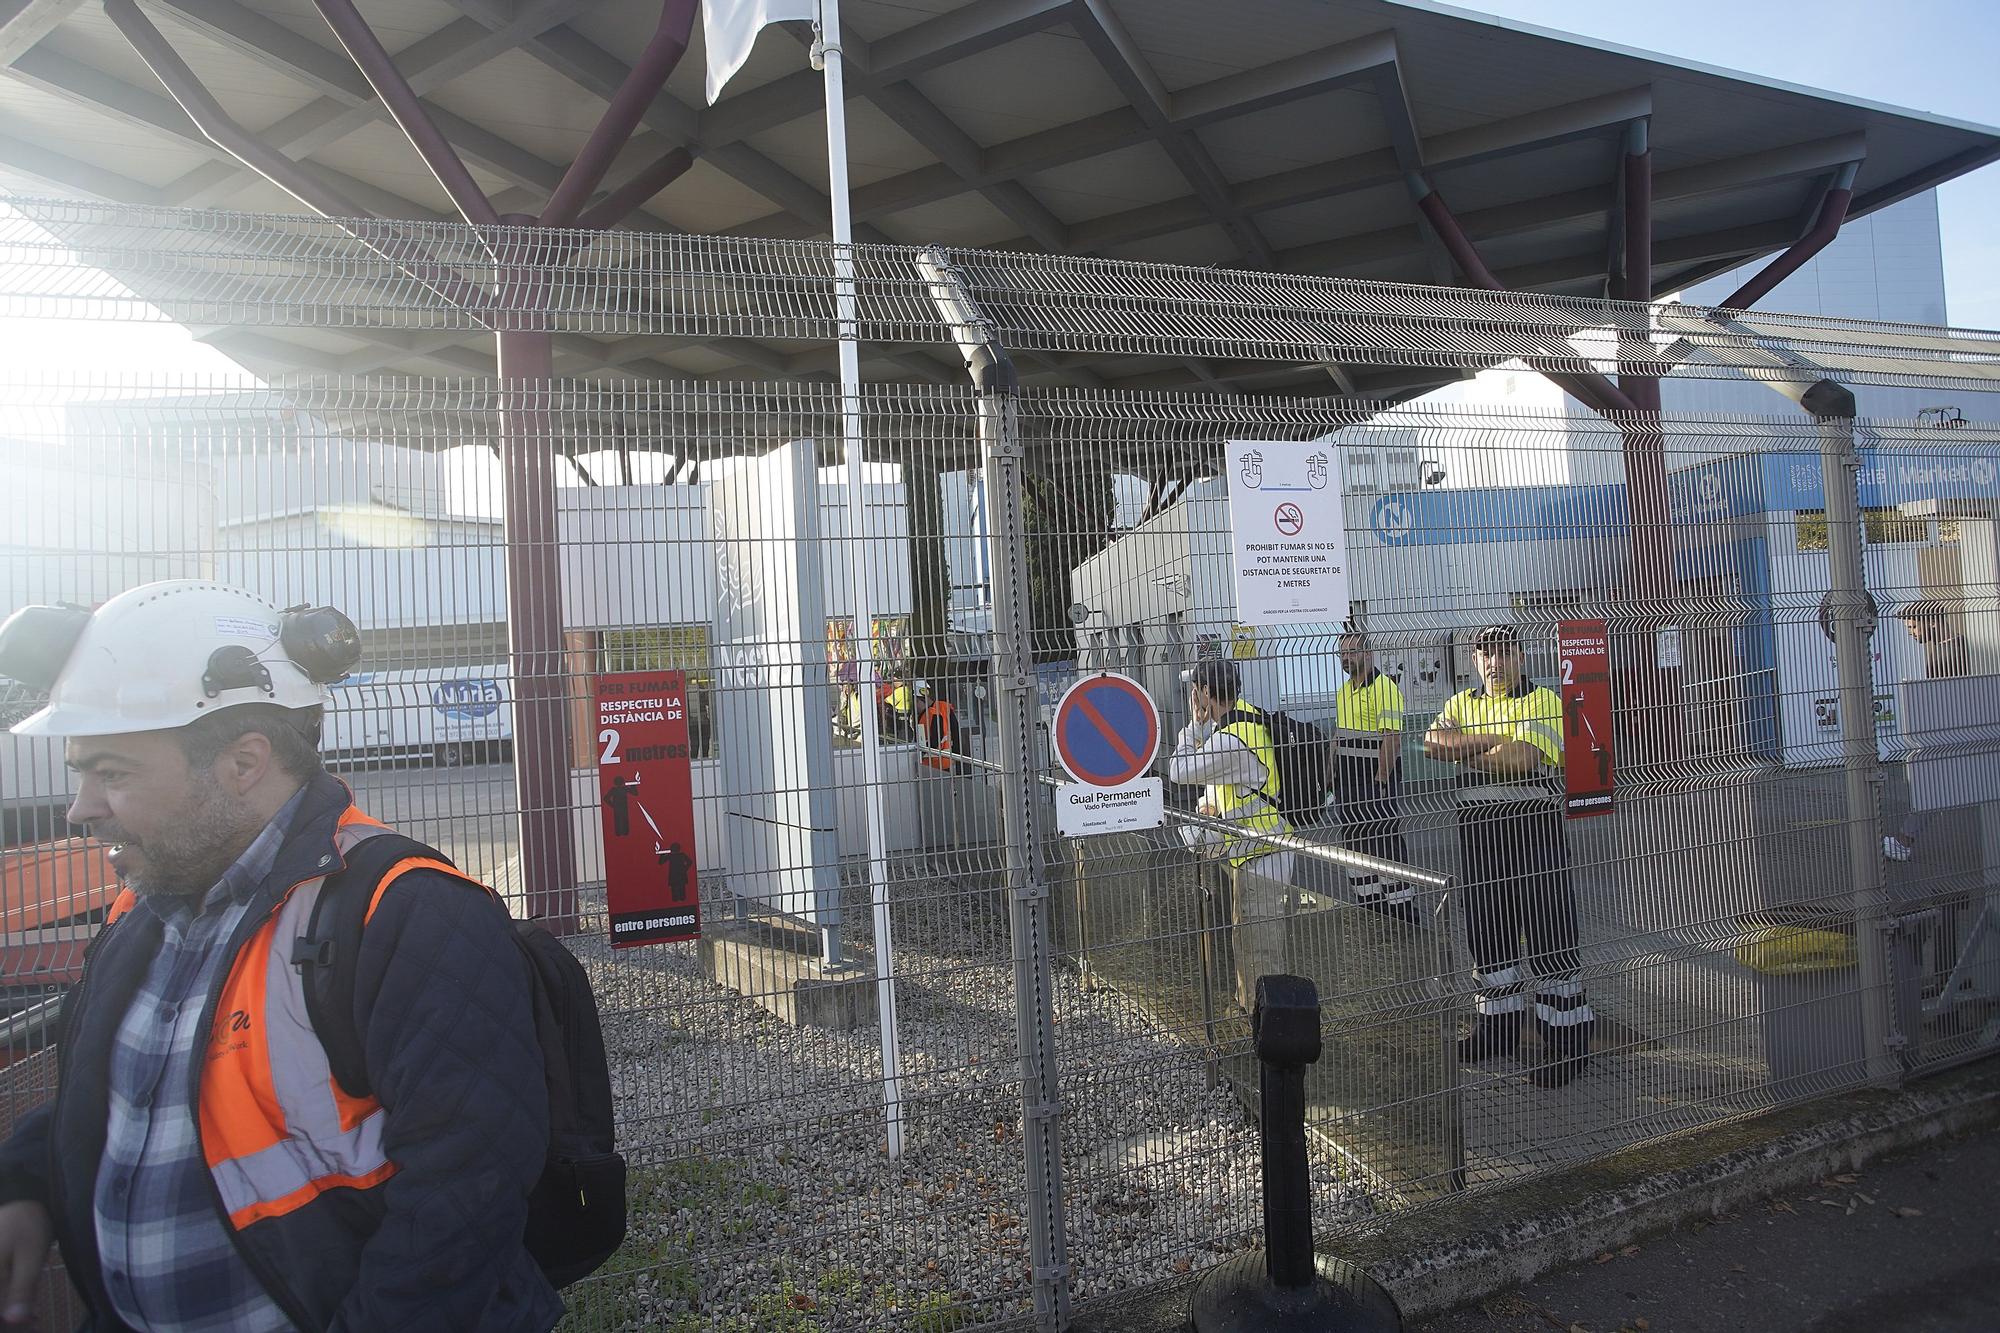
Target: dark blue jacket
[(442, 1001)]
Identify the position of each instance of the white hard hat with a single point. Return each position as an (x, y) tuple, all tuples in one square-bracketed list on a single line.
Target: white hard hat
[(923, 687), (165, 654)]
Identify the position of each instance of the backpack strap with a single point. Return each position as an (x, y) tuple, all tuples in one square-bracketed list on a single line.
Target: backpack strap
[(329, 954)]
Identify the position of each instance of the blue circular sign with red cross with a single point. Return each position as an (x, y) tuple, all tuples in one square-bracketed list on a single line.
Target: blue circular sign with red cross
[(1106, 730)]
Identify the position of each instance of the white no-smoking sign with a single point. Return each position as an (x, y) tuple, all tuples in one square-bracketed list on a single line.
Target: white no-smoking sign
[(1288, 541)]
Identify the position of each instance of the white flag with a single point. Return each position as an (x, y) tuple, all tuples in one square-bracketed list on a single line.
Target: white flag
[(731, 27)]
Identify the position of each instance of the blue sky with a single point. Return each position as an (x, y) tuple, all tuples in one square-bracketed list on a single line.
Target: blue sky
[(1936, 56)]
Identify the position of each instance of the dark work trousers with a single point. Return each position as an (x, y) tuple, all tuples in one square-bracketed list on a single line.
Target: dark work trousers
[(1371, 822), (1520, 915)]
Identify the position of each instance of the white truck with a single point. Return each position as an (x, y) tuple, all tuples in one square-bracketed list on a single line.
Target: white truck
[(443, 715)]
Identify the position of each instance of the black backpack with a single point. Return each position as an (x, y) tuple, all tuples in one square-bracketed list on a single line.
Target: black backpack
[(1305, 764), (576, 1215)]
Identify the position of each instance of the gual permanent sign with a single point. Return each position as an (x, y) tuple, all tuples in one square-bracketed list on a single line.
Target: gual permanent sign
[(1288, 534), (1083, 810), (646, 797), (1106, 733)]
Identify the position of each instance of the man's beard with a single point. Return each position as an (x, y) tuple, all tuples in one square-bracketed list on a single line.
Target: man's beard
[(186, 860)]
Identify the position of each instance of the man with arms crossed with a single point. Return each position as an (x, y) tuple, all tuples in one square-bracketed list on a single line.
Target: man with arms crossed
[(1506, 736)]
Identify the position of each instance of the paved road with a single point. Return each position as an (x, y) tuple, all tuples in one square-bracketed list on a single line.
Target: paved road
[(467, 811), (1911, 1244)]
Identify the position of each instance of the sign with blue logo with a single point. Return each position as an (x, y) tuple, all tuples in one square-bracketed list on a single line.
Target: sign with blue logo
[(1484, 515), (1792, 480), (1106, 730), (1392, 521), (1887, 477), (466, 700)]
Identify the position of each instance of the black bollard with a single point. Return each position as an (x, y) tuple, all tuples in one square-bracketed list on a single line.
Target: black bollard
[(1286, 1288)]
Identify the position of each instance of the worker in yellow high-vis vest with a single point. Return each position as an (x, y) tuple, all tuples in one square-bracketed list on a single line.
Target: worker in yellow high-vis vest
[(1367, 775), (1520, 914), (1227, 749)]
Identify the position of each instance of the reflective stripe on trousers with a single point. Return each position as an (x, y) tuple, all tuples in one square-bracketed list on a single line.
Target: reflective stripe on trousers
[(1371, 822), (1520, 912)]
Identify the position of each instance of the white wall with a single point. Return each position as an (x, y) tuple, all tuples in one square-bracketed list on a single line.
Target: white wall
[(645, 555), (385, 570)]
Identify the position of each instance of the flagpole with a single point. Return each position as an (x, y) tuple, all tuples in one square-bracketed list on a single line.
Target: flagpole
[(827, 54)]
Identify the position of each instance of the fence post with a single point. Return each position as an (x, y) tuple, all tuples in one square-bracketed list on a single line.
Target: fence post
[(1028, 899), (1850, 614)]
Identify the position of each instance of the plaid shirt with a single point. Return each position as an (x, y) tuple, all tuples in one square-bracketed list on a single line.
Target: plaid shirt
[(169, 1262)]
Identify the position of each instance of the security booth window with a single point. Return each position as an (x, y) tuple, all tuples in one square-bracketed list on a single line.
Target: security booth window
[(1881, 525)]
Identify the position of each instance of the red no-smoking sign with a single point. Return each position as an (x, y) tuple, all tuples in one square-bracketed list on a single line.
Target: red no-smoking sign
[(1291, 519), (646, 794)]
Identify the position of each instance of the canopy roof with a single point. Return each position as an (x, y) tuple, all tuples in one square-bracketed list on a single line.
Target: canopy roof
[(1261, 134)]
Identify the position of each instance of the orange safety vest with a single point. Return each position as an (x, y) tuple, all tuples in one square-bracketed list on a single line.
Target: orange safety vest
[(275, 1129), (937, 736)]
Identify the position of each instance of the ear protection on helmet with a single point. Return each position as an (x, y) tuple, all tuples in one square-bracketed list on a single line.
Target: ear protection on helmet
[(36, 643), (36, 640), (322, 641)]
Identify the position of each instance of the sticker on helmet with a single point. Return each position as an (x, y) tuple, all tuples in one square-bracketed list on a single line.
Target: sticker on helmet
[(243, 627)]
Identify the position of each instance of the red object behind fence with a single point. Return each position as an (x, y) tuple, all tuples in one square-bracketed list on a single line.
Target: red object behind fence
[(1586, 696), (646, 797)]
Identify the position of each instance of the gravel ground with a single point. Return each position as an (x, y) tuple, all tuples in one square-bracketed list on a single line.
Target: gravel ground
[(763, 1194)]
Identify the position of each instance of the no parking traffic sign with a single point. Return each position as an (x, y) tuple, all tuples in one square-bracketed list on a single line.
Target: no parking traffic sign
[(1106, 729), (1106, 733)]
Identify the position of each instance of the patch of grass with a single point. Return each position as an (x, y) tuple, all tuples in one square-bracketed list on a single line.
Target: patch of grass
[(785, 1309), (939, 1313), (932, 1312), (721, 1189), (611, 1297), (698, 1183)]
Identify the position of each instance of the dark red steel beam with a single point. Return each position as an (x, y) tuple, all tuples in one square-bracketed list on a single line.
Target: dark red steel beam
[(373, 61), (1636, 283), (649, 74), (526, 259), (628, 198), (1653, 718), (528, 435), (292, 177), (1592, 390), (1832, 212), (1645, 445), (1633, 406)]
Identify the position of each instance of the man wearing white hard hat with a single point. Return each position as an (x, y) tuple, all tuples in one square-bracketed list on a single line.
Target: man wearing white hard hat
[(201, 1166)]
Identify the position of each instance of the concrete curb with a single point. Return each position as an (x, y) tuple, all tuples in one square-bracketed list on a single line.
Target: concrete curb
[(1438, 1258)]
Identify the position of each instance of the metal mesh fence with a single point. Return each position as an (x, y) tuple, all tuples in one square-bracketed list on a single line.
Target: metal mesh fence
[(77, 260), (939, 1075)]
